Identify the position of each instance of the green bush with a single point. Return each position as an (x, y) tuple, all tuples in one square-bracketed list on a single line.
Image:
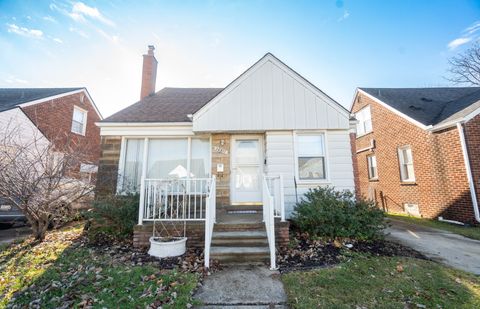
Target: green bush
[(112, 218), (325, 212)]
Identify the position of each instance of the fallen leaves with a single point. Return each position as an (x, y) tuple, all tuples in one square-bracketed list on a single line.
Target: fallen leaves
[(306, 253)]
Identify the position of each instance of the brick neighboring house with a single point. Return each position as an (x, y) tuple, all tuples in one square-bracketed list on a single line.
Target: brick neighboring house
[(60, 114), (418, 150)]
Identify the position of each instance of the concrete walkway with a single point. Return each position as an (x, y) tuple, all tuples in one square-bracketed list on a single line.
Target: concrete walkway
[(451, 249), (242, 286)]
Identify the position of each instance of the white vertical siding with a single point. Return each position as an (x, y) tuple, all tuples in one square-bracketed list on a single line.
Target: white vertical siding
[(14, 121), (280, 157), (270, 96)]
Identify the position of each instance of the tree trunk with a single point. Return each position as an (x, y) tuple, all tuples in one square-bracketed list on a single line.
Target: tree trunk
[(39, 228)]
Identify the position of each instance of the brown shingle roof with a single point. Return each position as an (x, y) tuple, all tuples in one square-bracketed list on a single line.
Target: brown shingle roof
[(167, 105)]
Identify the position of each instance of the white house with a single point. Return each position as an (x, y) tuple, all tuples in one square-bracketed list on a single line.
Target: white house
[(262, 141)]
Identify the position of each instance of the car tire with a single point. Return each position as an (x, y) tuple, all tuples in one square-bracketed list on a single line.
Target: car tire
[(4, 226)]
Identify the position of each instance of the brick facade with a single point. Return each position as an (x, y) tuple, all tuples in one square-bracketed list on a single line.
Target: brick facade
[(441, 186), (472, 136), (54, 119), (108, 165), (195, 231)]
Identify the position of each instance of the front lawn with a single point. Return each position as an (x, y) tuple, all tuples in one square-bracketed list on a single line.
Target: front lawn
[(383, 282), (467, 231), (63, 271)]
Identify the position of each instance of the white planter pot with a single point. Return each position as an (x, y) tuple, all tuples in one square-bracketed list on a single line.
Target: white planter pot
[(163, 249)]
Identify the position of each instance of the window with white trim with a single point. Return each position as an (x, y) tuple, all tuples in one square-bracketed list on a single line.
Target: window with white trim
[(166, 158), (311, 157), (79, 120), (132, 165), (372, 167), (405, 158), (364, 118)]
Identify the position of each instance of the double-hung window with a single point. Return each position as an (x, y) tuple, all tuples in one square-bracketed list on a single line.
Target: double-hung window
[(79, 120), (311, 162), (372, 167), (405, 158), (364, 118)]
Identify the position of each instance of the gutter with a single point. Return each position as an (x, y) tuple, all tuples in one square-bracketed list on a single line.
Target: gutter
[(469, 171)]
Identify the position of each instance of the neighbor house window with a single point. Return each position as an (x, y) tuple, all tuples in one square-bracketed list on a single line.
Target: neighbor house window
[(311, 156), (364, 118), (405, 158), (372, 167), (167, 158), (79, 120)]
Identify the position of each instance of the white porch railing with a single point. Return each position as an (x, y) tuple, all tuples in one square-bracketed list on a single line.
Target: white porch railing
[(191, 199), (210, 218), (276, 188), (269, 219), (174, 199)]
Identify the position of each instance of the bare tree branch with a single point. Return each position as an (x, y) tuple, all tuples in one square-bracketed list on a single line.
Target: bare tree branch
[(465, 67), (41, 178)]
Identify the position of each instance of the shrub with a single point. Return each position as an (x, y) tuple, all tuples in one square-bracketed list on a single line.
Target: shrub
[(112, 218), (328, 213)]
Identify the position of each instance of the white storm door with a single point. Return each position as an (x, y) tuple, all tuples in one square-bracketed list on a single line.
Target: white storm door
[(246, 173)]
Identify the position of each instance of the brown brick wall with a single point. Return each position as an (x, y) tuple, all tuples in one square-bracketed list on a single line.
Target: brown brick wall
[(54, 119), (472, 136), (223, 179), (441, 187), (195, 232), (356, 179), (108, 166)]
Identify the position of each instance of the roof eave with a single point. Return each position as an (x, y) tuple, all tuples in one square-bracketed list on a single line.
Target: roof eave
[(396, 111), (142, 124)]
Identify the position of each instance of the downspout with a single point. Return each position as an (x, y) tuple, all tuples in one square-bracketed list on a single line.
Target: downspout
[(469, 171)]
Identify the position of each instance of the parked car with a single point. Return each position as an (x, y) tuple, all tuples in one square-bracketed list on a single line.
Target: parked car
[(10, 214)]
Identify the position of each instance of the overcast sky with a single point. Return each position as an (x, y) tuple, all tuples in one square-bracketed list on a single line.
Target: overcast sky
[(337, 45)]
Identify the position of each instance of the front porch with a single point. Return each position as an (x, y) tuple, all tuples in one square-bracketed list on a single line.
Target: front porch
[(240, 233)]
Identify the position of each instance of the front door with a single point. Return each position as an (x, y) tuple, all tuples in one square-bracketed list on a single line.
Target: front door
[(247, 169)]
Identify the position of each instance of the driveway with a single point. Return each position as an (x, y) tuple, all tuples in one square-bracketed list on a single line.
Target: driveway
[(9, 235), (451, 249)]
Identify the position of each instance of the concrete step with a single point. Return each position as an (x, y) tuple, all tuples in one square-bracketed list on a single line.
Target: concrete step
[(232, 208), (240, 234), (239, 242), (240, 254), (239, 227)]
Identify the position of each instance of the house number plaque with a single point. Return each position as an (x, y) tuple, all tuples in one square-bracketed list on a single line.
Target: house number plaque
[(220, 150)]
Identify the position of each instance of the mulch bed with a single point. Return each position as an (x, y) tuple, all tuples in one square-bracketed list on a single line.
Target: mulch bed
[(125, 253), (307, 253)]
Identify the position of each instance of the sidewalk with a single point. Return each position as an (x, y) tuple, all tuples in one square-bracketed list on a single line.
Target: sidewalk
[(451, 249), (243, 286)]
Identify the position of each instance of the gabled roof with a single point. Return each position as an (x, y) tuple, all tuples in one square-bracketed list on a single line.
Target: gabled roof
[(12, 97), (270, 96), (429, 106), (167, 105), (175, 104)]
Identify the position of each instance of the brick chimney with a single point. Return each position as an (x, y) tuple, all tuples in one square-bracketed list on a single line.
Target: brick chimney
[(149, 73)]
